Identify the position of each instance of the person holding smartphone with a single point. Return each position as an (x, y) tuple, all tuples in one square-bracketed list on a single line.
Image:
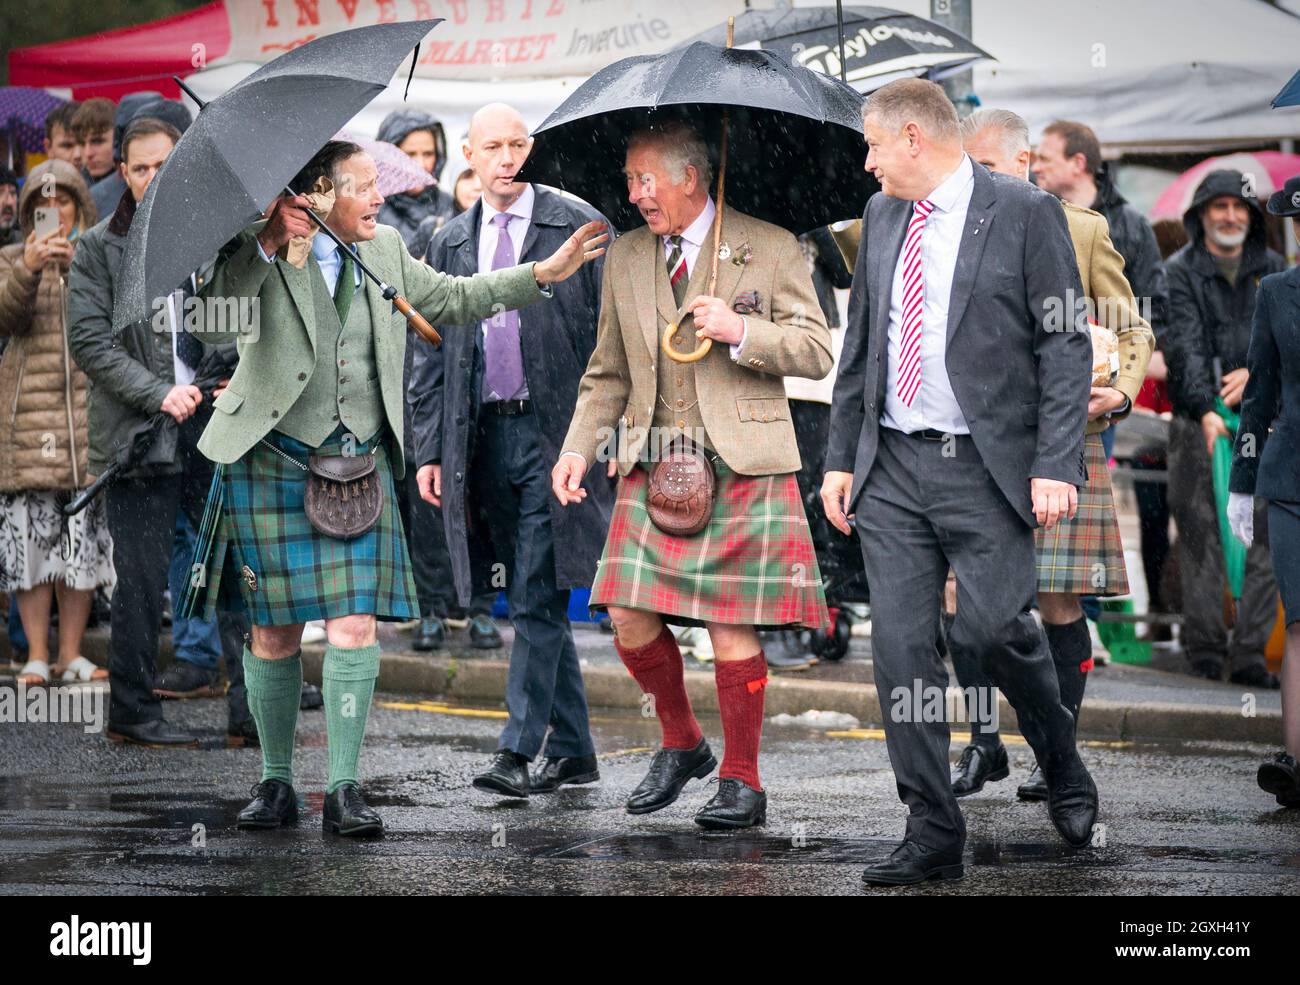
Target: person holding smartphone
[(45, 555)]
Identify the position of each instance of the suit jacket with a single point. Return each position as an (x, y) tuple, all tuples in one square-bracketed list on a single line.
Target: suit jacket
[(741, 402), (1271, 468), (444, 394), (277, 359), (1101, 268), (1018, 362)]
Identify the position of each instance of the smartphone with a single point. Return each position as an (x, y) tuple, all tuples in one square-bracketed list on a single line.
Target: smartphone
[(45, 221)]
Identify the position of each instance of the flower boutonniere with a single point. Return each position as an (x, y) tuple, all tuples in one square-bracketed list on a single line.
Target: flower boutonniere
[(742, 255)]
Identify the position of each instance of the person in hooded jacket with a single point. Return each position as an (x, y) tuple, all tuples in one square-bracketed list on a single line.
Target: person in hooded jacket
[(420, 136), (1213, 282)]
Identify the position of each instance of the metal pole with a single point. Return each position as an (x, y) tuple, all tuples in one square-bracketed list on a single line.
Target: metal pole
[(956, 15), (839, 24)]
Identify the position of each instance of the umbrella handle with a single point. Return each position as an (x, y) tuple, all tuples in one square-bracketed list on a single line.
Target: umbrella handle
[(699, 353), (416, 320)]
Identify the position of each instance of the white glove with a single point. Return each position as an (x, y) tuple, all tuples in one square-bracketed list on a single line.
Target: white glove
[(1241, 516)]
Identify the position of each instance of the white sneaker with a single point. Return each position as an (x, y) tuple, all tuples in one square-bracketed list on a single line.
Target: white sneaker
[(695, 641), (314, 631)]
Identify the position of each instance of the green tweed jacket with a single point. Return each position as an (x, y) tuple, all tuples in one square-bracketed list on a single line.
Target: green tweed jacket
[(277, 346)]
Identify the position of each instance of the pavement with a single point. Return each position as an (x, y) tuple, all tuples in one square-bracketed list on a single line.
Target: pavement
[(1123, 702), (82, 816)]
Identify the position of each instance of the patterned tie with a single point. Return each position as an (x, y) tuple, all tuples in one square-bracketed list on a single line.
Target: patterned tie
[(345, 287), (909, 351), (188, 347), (677, 269), (504, 375)]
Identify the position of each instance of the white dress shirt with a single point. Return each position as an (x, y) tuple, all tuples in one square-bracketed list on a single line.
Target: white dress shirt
[(326, 252), (934, 405), (522, 210)]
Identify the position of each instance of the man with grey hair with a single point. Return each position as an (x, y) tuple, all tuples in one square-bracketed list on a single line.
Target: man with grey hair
[(957, 425), (1085, 555), (751, 564)]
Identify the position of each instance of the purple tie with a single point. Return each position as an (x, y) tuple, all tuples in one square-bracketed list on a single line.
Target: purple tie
[(505, 362)]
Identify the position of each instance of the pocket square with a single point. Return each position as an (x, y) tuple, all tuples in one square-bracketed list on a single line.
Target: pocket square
[(748, 303)]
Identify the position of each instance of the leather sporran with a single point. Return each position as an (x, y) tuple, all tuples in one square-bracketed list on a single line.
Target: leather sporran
[(682, 486), (343, 498)]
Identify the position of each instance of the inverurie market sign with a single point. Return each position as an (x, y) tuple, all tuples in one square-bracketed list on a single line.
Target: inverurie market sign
[(484, 39)]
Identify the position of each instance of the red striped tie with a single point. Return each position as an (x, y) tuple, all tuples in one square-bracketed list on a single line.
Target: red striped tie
[(909, 359)]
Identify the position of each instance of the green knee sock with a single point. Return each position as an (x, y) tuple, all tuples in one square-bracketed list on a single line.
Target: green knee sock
[(347, 683), (274, 693)]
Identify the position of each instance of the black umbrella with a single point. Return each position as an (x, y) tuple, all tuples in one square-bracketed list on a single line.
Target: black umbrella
[(879, 43), (245, 147), (796, 149)]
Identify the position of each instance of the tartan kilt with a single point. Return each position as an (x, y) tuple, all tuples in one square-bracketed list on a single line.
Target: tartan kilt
[(286, 570), (1085, 556), (752, 565)]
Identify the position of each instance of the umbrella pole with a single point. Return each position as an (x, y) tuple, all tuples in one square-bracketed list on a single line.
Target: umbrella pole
[(839, 23), (722, 177), (413, 317)]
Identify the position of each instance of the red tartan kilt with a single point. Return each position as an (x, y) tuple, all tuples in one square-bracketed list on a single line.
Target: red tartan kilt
[(752, 565)]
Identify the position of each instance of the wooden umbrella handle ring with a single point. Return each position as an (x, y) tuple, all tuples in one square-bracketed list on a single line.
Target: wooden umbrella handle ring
[(699, 353)]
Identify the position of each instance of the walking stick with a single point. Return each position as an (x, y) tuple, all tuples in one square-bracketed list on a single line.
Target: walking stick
[(413, 318), (703, 348)]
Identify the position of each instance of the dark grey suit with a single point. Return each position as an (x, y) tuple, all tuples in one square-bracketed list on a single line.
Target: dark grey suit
[(1019, 368)]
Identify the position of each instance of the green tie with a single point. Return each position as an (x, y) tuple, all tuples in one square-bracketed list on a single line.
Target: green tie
[(345, 287)]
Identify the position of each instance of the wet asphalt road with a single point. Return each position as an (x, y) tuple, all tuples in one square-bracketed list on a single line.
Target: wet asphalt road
[(80, 815)]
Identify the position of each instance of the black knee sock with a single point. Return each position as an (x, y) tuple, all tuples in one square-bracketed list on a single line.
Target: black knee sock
[(1071, 648)]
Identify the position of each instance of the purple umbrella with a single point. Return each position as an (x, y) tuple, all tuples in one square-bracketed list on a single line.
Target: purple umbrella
[(397, 172), (22, 112)]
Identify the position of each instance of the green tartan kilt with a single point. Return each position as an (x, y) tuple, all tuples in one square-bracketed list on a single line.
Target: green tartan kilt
[(256, 537), (1085, 556)]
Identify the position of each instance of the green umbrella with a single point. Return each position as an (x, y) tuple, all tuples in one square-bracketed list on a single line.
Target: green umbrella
[(1234, 551)]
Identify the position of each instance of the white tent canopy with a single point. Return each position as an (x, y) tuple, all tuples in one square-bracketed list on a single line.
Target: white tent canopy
[(1140, 72)]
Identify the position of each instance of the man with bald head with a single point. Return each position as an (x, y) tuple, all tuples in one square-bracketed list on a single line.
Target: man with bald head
[(489, 412)]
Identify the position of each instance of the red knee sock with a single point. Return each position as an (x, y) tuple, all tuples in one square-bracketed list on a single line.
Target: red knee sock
[(740, 701), (657, 668)]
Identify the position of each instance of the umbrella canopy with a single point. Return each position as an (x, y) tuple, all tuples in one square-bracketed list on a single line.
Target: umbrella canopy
[(796, 149), (880, 44), (23, 111), (245, 147), (1269, 169)]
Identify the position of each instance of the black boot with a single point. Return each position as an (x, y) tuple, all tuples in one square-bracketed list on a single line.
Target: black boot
[(507, 776), (559, 771), (735, 805), (979, 764), (347, 813), (274, 803), (1280, 776), (1071, 647)]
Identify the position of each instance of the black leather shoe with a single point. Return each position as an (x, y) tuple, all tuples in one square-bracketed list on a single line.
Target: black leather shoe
[(1035, 788), (274, 803), (1280, 776), (1210, 669), (1256, 675), (1072, 804), (560, 771), (431, 635), (184, 680), (157, 734), (348, 814), (311, 698), (978, 765), (242, 734), (911, 863), (508, 775), (483, 634), (735, 805), (668, 773)]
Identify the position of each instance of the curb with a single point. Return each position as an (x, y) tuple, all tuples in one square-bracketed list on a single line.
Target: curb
[(450, 674)]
